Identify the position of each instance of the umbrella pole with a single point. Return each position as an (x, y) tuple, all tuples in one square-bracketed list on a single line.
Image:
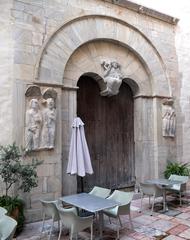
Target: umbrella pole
[(82, 184)]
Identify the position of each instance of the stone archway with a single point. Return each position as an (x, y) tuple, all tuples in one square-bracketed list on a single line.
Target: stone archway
[(62, 62), (57, 50)]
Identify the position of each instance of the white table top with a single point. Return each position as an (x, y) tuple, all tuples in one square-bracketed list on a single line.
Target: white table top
[(89, 202), (163, 182)]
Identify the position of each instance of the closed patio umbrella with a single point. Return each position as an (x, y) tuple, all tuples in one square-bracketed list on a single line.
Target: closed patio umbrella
[(79, 161)]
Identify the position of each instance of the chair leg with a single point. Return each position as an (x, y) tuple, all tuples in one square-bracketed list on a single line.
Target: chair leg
[(130, 220), (51, 230), (91, 232), (118, 223), (142, 195), (180, 200), (152, 205), (71, 234), (60, 230), (42, 225), (149, 202)]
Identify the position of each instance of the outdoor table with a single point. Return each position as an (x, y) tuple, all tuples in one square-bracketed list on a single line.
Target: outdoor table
[(164, 183), (90, 203)]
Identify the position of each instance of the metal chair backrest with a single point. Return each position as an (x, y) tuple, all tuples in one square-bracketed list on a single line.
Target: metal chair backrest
[(182, 179), (3, 211), (100, 192), (122, 197), (70, 219), (67, 215), (50, 209), (150, 189), (7, 228)]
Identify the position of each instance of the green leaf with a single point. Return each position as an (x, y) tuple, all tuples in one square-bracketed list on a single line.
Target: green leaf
[(181, 169), (14, 171)]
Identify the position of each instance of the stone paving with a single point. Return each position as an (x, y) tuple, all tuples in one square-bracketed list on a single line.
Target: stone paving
[(173, 225)]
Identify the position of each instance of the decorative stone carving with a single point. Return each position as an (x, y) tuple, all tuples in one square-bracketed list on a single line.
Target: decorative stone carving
[(33, 125), (33, 91), (40, 118), (112, 77), (49, 121), (50, 93), (168, 119)]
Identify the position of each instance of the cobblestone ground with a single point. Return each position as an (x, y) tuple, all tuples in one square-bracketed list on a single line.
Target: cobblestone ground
[(173, 225)]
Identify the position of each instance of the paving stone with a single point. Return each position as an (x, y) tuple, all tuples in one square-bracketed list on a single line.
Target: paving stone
[(163, 225), (184, 215), (172, 237), (165, 217), (178, 229), (145, 219), (185, 234), (181, 221)]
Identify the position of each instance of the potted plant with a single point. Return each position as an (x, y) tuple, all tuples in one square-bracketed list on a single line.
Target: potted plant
[(16, 175), (181, 169)]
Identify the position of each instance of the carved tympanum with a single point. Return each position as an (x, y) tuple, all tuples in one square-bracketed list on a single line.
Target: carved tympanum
[(168, 118), (40, 119), (112, 77)]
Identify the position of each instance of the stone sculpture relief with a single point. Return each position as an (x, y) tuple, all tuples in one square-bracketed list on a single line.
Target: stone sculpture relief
[(40, 119), (33, 125), (112, 77), (168, 119), (49, 121)]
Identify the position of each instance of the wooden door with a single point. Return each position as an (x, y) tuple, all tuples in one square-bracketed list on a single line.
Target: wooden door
[(110, 134)]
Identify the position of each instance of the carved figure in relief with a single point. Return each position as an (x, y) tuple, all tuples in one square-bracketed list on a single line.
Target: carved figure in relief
[(49, 122), (168, 119), (33, 125), (112, 77)]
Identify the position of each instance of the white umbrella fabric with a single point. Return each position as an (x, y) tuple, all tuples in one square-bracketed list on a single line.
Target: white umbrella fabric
[(79, 161)]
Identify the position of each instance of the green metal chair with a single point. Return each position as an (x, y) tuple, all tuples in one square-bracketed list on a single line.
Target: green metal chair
[(3, 211), (7, 227), (150, 190), (70, 219), (124, 201), (178, 188), (50, 211), (100, 192)]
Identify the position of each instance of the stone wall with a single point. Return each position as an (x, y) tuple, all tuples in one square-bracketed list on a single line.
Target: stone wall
[(48, 37), (6, 72), (180, 87)]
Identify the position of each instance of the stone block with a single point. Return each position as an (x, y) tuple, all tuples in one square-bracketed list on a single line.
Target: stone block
[(46, 170), (35, 198), (33, 215), (25, 72), (37, 39), (45, 74), (21, 35), (21, 57), (53, 184), (18, 14)]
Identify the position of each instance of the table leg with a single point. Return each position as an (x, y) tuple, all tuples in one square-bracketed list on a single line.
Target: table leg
[(165, 206), (101, 223)]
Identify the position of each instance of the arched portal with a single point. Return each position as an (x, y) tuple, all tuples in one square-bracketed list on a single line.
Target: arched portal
[(75, 50), (110, 134)]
